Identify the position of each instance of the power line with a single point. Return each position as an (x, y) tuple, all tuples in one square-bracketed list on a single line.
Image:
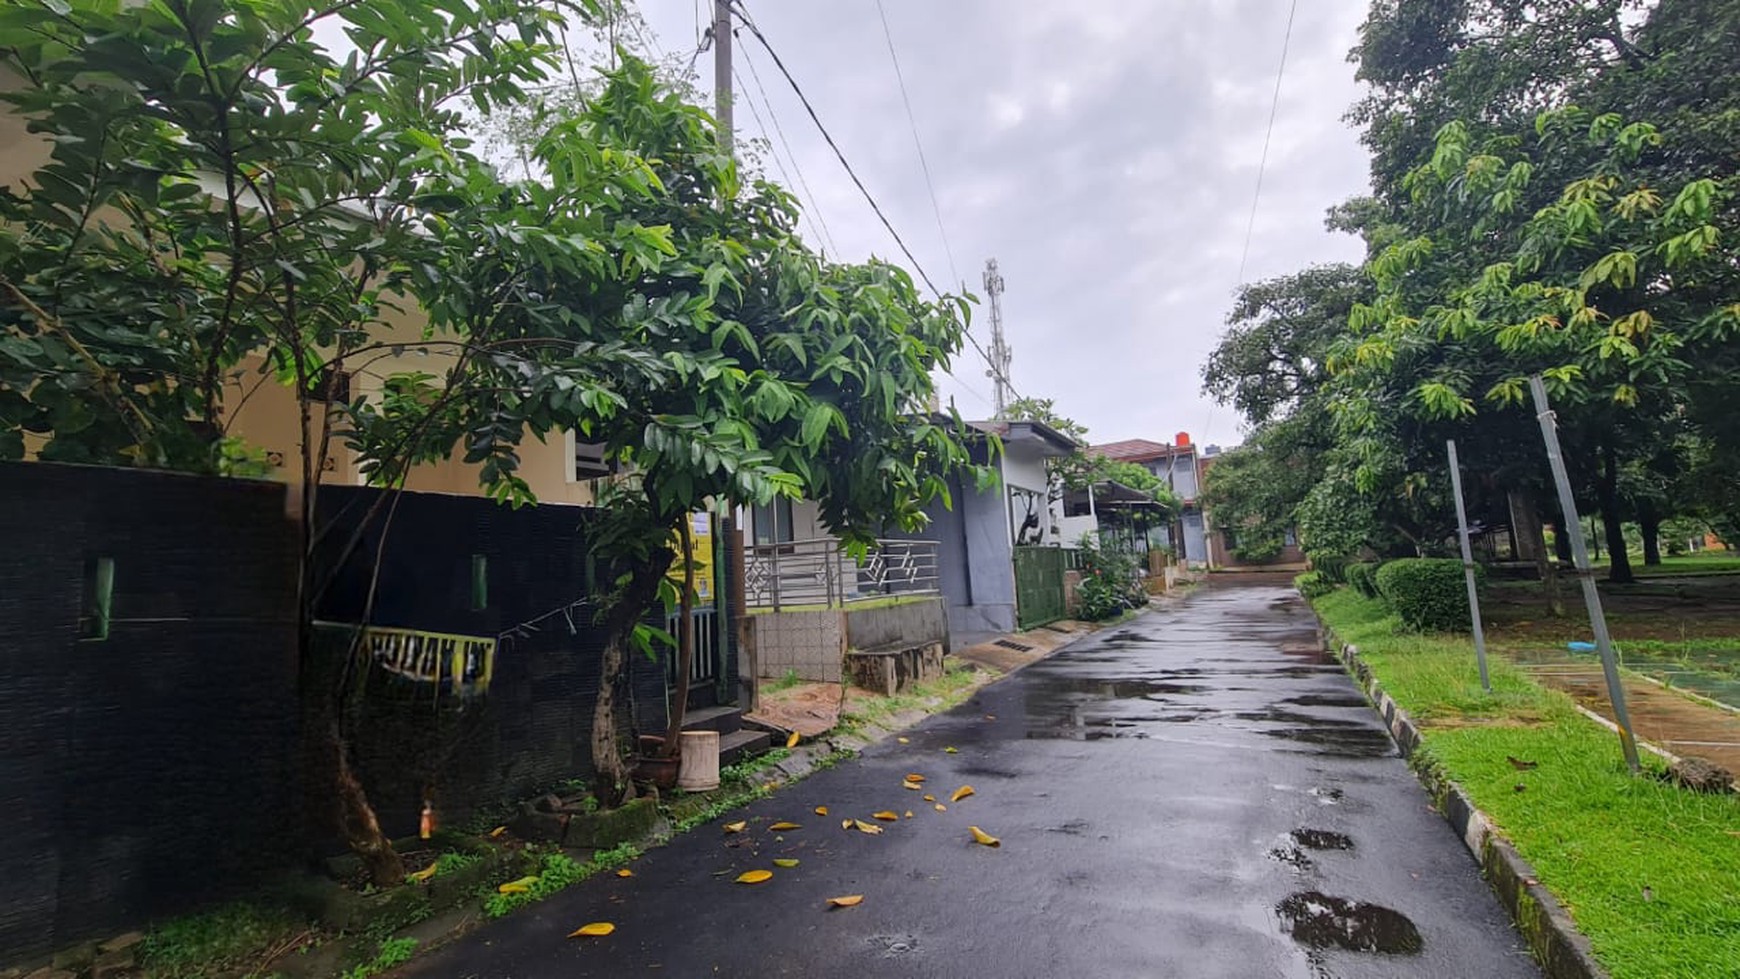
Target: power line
[(923, 164), (779, 130), (812, 211), (847, 166), (1263, 161)]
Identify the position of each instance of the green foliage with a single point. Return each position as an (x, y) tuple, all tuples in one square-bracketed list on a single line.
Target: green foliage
[(1362, 575), (1313, 585), (1110, 584), (1332, 566), (393, 951), (1428, 594), (786, 681), (227, 936), (557, 871)]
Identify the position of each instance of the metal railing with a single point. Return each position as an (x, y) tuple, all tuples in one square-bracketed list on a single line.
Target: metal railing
[(817, 573)]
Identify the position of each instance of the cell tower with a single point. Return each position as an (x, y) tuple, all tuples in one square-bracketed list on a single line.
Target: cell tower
[(1000, 353)]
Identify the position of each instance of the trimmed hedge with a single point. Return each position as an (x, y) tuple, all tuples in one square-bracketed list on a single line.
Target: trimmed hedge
[(1333, 568), (1427, 594), (1313, 584), (1363, 578)]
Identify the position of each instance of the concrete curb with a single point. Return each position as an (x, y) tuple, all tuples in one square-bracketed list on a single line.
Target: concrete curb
[(1558, 947)]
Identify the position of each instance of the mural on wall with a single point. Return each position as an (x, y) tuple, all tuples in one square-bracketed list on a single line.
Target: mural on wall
[(465, 663)]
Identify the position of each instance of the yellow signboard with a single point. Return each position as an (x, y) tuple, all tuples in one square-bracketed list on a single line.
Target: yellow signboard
[(467, 662), (701, 541)]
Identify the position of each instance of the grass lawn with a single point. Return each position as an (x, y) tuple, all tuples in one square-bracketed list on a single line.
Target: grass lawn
[(1650, 872)]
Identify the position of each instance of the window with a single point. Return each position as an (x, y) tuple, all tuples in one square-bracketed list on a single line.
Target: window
[(773, 522)]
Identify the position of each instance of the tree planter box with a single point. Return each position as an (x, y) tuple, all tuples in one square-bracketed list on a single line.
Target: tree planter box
[(889, 670), (591, 830)]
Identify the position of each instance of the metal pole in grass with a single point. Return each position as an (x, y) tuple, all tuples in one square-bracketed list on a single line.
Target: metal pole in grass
[(1468, 566), (1580, 557)]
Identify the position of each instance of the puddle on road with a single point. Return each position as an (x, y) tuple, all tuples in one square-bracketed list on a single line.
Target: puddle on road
[(1326, 700), (1346, 742), (892, 946), (1322, 839), (1322, 921)]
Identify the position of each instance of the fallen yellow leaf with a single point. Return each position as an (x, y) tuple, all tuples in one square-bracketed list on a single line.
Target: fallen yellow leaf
[(930, 798), (915, 786), (497, 831), (961, 793), (785, 862), (821, 810), (847, 823), (597, 929), (914, 777), (909, 814), (846, 901), (625, 872), (941, 808), (520, 886), (782, 826), (886, 815), (980, 836), (951, 750), (903, 740), (791, 740), (864, 827), (425, 873), (737, 827), (754, 876)]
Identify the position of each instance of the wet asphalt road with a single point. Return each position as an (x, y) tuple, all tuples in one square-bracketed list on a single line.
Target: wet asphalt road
[(1190, 794)]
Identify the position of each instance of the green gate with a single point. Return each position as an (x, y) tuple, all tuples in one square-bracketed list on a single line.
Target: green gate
[(1039, 584)]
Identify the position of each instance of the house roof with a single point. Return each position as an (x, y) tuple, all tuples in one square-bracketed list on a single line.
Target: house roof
[(1026, 430), (1141, 450)]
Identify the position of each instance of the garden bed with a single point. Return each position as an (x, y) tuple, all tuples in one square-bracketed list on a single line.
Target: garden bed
[(1646, 869)]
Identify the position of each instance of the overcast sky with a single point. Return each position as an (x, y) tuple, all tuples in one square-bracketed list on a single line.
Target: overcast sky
[(1104, 151)]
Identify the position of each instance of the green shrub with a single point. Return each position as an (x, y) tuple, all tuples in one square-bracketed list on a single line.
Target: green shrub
[(1363, 577), (1333, 567), (1313, 585), (1109, 583), (1427, 594)]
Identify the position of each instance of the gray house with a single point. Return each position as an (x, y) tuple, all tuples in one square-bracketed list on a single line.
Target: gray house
[(1179, 466)]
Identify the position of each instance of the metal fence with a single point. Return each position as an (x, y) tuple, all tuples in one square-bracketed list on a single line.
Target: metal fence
[(817, 573), (1039, 591)]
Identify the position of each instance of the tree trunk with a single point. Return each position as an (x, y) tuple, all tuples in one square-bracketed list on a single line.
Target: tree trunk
[(1619, 563), (1649, 523), (1561, 543), (685, 643), (354, 816), (1532, 537), (610, 777)]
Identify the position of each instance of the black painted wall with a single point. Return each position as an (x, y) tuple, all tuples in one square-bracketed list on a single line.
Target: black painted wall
[(156, 768)]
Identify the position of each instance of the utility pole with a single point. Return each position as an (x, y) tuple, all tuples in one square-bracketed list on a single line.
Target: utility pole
[(1000, 354), (1468, 567), (722, 74)]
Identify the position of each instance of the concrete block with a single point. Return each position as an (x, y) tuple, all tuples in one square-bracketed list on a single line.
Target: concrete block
[(603, 830)]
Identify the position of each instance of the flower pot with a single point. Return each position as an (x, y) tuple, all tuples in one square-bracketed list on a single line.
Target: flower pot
[(651, 766)]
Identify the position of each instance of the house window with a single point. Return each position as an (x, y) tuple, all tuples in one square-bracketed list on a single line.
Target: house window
[(586, 460), (1077, 505), (773, 522)]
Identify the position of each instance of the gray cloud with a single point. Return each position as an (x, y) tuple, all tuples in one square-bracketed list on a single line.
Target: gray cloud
[(1105, 152)]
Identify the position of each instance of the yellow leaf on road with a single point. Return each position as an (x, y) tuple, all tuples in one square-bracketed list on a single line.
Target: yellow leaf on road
[(864, 827), (754, 876), (846, 901), (930, 798), (904, 740), (737, 827), (941, 808), (915, 786), (886, 815), (792, 740), (847, 823), (914, 777), (785, 862), (625, 872), (982, 837), (497, 831), (821, 810), (909, 814), (597, 929), (783, 825), (961, 793), (951, 750), (425, 873), (520, 886)]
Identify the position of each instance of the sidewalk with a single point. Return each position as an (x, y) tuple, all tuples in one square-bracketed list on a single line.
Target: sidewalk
[(1665, 718)]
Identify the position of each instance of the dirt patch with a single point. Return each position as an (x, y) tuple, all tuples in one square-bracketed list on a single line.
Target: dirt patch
[(810, 709)]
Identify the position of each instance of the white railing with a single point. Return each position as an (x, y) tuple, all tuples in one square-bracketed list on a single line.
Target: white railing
[(817, 573)]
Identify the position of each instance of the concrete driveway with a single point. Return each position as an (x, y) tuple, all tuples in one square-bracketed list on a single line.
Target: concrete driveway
[(1196, 793)]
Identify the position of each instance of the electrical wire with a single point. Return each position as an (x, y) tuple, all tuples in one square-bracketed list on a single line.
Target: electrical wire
[(803, 98), (809, 212), (1263, 160), (912, 122), (779, 130)]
